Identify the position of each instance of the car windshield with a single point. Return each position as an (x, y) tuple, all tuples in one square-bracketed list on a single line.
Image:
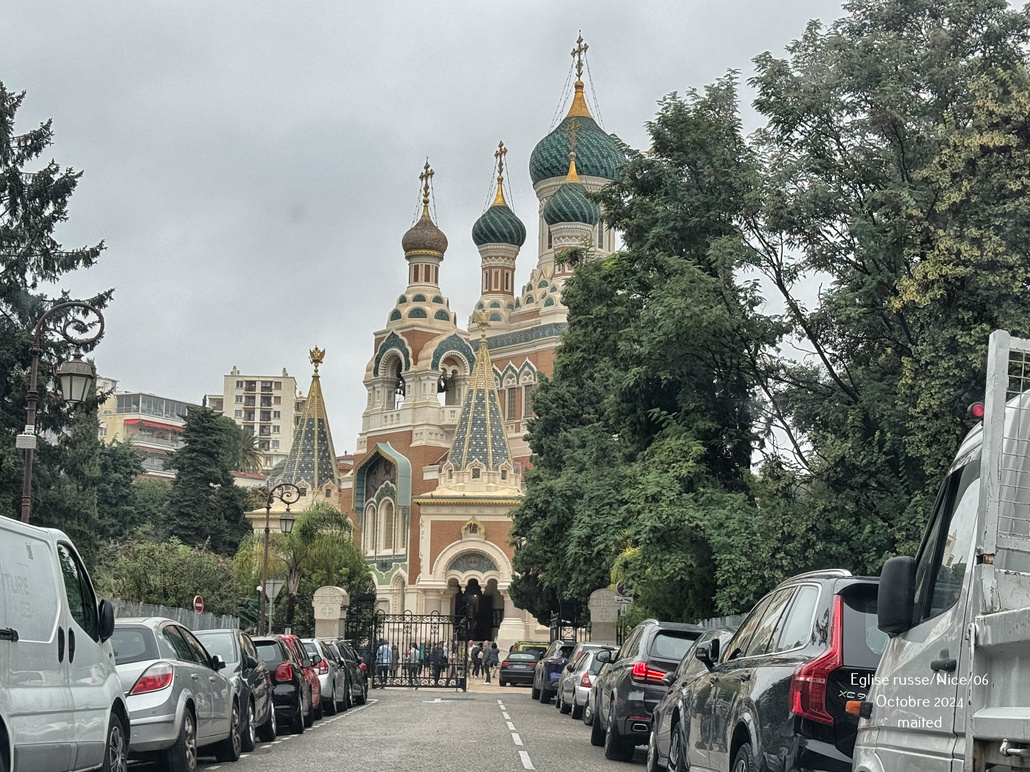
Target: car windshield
[(133, 644), (672, 644), (219, 643), (269, 651)]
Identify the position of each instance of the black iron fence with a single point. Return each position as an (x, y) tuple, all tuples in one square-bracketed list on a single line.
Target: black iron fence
[(423, 650)]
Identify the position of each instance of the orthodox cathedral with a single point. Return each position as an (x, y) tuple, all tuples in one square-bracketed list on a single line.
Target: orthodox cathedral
[(439, 460)]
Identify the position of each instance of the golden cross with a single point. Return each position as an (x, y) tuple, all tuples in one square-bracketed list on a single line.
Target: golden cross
[(499, 154), (572, 128), (425, 177), (577, 53)]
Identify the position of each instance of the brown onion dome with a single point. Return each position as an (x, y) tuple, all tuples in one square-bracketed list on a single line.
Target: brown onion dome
[(424, 236)]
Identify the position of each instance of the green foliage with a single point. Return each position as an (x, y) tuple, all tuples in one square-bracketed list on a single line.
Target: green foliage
[(117, 504), (171, 573), (34, 201), (205, 506)]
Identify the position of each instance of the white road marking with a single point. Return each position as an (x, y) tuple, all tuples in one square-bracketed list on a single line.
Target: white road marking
[(525, 760), (500, 702), (432, 701), (511, 726), (516, 739), (505, 715)]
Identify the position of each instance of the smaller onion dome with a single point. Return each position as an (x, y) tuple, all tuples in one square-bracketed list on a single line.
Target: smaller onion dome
[(424, 236), (499, 224), (570, 203)]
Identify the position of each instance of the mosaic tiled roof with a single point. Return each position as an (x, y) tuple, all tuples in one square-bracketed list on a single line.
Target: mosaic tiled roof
[(424, 236), (599, 154), (480, 434), (312, 459), (499, 225)]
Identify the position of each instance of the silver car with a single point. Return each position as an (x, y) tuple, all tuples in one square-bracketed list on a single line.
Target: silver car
[(330, 677), (577, 679), (178, 700)]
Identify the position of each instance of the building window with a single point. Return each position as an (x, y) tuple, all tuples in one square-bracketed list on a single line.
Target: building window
[(386, 514), (509, 413), (277, 385), (277, 400), (504, 474), (486, 281), (276, 414), (476, 471), (239, 399), (275, 429), (550, 239), (238, 414), (275, 444), (600, 235), (527, 400), (239, 384), (368, 530), (507, 281)]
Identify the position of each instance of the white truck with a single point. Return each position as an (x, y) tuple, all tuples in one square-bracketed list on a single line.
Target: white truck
[(952, 691)]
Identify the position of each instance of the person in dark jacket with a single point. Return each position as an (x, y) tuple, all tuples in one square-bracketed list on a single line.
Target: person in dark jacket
[(438, 661), (489, 660), (476, 656)]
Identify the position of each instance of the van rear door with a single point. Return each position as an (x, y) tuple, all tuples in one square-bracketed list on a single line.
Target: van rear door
[(36, 673)]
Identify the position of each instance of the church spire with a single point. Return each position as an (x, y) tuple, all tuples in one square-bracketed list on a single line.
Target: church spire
[(499, 154), (579, 102)]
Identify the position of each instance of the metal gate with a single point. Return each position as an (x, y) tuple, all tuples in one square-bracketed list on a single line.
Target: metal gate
[(440, 642)]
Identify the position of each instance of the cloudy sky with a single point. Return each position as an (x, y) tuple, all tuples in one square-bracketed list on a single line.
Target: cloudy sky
[(252, 166)]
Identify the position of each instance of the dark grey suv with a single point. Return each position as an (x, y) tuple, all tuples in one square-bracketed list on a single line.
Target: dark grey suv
[(627, 691)]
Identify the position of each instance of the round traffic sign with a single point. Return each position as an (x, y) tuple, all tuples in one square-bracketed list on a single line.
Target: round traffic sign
[(198, 604)]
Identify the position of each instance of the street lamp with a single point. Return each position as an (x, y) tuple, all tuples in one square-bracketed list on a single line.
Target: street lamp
[(287, 493), (75, 378)]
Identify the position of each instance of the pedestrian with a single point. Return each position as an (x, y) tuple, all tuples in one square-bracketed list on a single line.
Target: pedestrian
[(476, 655), (395, 662), (383, 659), (489, 660), (438, 661), (411, 664)]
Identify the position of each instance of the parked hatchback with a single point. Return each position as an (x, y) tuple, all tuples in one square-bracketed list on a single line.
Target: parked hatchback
[(291, 690), (357, 678), (332, 682), (577, 679), (250, 677), (629, 689), (779, 688), (178, 699)]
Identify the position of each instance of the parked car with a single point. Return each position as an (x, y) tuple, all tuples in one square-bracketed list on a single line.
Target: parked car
[(535, 646), (577, 679), (179, 700), (357, 677), (780, 686), (517, 667), (548, 670), (251, 679), (671, 706), (54, 634), (291, 690), (629, 689), (307, 667), (332, 682)]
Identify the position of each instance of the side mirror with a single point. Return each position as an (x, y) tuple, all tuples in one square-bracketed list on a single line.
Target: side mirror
[(704, 654), (669, 678), (896, 597), (106, 619), (603, 656), (252, 663), (217, 662)]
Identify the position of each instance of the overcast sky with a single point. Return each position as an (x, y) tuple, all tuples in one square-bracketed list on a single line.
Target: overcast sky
[(252, 166)]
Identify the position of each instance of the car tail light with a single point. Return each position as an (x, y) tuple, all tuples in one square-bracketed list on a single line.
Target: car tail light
[(808, 686), (585, 681), (154, 679), (284, 672), (505, 663), (363, 668), (641, 672), (322, 668)]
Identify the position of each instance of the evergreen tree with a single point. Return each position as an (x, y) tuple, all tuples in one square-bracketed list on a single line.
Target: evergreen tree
[(34, 200), (205, 506), (117, 501)]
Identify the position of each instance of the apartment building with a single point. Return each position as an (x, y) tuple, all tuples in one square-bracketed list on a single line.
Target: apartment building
[(153, 424)]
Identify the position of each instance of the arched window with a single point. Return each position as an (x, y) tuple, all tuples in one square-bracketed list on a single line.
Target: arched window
[(386, 513), (368, 530)]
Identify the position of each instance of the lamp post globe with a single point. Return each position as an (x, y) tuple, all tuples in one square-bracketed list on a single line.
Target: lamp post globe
[(76, 378)]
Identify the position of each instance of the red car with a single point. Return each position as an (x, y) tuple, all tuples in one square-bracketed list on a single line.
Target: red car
[(308, 668)]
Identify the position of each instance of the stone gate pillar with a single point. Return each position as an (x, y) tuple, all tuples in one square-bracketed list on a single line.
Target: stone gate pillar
[(330, 606), (604, 616)]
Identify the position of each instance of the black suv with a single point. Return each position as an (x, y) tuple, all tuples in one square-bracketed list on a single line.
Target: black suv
[(627, 691), (291, 692), (778, 690)]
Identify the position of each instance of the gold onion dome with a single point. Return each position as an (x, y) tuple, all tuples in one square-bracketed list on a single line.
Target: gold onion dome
[(424, 236)]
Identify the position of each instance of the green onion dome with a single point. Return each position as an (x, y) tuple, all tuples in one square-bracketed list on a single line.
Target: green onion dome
[(499, 225), (598, 154), (570, 203)]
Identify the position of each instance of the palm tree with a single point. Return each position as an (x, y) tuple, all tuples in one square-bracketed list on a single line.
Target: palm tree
[(249, 457)]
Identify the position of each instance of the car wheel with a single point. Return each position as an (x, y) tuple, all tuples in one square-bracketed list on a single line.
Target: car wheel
[(564, 707), (297, 722), (545, 696), (744, 761), (309, 717), (677, 750), (577, 710), (231, 747), (182, 757), (329, 706), (249, 733), (318, 711), (270, 729), (348, 699), (616, 748), (588, 714), (596, 731), (116, 752), (360, 699)]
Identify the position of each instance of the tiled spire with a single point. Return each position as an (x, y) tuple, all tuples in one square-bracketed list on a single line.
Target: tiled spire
[(481, 435)]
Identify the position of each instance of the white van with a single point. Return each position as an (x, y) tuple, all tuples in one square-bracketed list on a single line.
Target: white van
[(61, 703), (952, 691)]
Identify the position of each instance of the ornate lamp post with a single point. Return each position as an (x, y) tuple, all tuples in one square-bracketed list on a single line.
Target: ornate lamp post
[(288, 494), (75, 378)]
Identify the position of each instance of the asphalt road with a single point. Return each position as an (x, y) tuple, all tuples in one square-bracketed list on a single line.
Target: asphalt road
[(402, 730)]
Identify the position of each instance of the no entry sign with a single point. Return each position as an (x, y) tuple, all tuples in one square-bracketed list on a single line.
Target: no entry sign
[(198, 604)]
